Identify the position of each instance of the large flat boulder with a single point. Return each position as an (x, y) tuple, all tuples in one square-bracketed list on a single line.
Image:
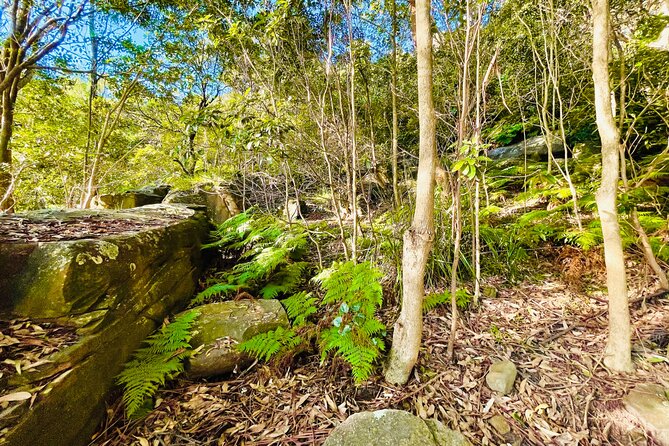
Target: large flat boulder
[(114, 289), (393, 428), (220, 327)]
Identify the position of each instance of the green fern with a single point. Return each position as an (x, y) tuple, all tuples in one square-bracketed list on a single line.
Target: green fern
[(270, 251), (299, 307), (432, 301), (287, 280), (218, 289), (159, 360), (356, 334), (264, 346)]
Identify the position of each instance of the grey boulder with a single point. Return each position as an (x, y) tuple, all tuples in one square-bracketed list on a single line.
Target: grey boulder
[(221, 326), (391, 427)]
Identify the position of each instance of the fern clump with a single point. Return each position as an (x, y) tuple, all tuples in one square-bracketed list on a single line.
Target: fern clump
[(158, 361), (352, 295), (299, 307), (270, 252), (356, 334)]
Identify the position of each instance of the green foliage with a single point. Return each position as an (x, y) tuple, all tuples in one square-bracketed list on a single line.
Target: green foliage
[(504, 133), (266, 345), (353, 295), (586, 239), (159, 360), (299, 307), (270, 251), (462, 299), (355, 334)]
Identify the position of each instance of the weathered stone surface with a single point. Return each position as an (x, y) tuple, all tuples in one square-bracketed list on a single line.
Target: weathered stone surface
[(117, 290), (221, 326), (501, 376), (650, 404), (392, 428), (499, 423), (58, 279), (220, 203), (134, 198), (444, 436), (535, 148)]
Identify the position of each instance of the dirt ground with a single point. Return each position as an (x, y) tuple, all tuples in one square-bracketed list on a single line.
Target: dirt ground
[(552, 327)]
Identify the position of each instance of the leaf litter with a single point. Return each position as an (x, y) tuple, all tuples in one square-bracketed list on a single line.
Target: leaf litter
[(554, 331)]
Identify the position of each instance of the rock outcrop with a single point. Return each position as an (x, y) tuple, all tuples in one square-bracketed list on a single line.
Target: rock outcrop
[(501, 376), (535, 148), (221, 326), (393, 428), (133, 198), (116, 290), (220, 203)]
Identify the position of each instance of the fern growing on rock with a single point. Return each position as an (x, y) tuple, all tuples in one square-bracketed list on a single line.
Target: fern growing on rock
[(158, 361), (266, 346)]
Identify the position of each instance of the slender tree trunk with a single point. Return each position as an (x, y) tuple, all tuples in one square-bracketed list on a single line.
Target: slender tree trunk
[(419, 237), (618, 350), (92, 93), (636, 223), (393, 94), (457, 232), (354, 142)]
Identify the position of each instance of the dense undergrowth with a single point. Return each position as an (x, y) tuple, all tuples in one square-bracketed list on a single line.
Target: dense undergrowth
[(335, 310)]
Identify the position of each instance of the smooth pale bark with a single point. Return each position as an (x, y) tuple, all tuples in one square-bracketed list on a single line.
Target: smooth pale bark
[(393, 87), (618, 354), (419, 237)]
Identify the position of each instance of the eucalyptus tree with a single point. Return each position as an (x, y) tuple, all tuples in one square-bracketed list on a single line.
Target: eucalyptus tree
[(419, 237), (618, 355)]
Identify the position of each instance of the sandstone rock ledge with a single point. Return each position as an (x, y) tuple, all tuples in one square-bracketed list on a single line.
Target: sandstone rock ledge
[(115, 289)]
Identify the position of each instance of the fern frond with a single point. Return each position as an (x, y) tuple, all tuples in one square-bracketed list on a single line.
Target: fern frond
[(219, 289), (432, 301), (160, 360), (355, 288), (299, 307), (265, 345), (287, 280)]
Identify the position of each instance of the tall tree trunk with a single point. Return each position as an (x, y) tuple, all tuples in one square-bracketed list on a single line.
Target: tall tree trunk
[(92, 94), (393, 93), (419, 237), (354, 141), (619, 346)]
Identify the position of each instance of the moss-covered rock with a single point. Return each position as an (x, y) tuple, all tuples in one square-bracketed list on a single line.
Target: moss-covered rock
[(220, 203), (134, 198), (117, 290), (392, 428), (58, 279), (221, 326)]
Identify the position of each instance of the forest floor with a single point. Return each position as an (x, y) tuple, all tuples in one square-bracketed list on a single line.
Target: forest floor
[(552, 327)]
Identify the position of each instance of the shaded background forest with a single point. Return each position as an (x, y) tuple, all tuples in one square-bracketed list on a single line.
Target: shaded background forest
[(268, 95)]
